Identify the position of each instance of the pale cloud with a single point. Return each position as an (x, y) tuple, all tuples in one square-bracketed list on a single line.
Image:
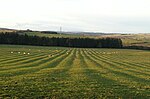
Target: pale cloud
[(76, 15)]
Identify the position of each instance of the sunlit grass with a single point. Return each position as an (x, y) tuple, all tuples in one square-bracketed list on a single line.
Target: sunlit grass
[(56, 72)]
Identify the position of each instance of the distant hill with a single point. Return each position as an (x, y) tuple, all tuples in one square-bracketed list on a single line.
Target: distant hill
[(7, 30)]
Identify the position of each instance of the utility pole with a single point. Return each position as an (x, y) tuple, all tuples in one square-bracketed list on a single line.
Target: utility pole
[(60, 29)]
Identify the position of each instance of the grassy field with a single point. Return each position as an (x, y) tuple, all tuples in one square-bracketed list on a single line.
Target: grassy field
[(55, 72), (6, 30), (55, 35), (133, 39)]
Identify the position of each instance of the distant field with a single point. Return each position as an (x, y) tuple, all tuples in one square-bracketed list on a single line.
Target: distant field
[(55, 72), (6, 30), (54, 35), (133, 39)]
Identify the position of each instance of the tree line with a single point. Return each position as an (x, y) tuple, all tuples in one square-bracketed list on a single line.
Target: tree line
[(137, 47), (15, 38), (49, 32)]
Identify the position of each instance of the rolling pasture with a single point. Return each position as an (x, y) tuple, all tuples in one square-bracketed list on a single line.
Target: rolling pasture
[(56, 72)]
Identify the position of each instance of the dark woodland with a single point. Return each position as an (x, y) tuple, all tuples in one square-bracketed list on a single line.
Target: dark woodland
[(16, 39)]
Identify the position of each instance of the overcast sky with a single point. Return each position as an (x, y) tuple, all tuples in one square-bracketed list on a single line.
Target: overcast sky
[(76, 15)]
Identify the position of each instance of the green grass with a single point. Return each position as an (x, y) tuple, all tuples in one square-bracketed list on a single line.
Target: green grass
[(56, 72)]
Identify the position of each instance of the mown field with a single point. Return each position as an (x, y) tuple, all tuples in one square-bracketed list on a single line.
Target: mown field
[(55, 72)]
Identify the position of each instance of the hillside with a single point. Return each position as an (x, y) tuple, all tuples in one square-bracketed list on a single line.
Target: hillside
[(7, 30)]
